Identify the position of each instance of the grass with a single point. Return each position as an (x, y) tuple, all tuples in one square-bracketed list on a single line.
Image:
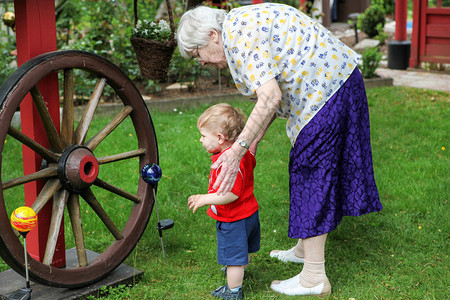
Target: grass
[(399, 253)]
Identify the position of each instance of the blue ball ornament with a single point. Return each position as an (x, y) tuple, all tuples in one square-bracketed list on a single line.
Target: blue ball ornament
[(151, 173)]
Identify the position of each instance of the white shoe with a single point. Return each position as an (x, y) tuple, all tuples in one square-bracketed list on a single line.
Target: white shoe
[(292, 287), (287, 256)]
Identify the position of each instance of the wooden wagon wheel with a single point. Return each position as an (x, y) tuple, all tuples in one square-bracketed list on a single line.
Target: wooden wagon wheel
[(71, 171)]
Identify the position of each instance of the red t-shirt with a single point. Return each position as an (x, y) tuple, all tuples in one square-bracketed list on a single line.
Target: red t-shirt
[(246, 205)]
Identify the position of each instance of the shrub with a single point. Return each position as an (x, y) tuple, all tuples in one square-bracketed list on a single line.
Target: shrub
[(368, 21), (370, 62), (7, 61), (388, 5), (381, 36), (186, 70)]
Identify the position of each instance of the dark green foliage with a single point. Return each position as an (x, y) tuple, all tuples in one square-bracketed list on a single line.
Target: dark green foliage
[(103, 28), (368, 21), (7, 61), (99, 27), (445, 3), (388, 5), (370, 62), (186, 70)]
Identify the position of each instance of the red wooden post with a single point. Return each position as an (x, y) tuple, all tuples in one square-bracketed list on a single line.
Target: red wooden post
[(36, 34), (414, 60), (399, 50), (401, 13)]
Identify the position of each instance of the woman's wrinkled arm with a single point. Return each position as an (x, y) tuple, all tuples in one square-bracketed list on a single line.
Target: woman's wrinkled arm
[(269, 96), (254, 145)]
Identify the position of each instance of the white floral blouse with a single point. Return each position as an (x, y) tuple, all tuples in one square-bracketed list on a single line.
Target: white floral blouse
[(270, 40)]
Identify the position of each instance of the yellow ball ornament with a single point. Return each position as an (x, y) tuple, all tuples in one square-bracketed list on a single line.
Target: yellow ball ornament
[(23, 219), (9, 18)]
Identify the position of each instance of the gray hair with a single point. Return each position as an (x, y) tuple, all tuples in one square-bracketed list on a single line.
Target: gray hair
[(195, 26)]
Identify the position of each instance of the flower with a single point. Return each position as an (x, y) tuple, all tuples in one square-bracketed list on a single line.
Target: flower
[(153, 31)]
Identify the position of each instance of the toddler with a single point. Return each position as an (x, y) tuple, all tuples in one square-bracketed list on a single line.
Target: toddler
[(236, 212)]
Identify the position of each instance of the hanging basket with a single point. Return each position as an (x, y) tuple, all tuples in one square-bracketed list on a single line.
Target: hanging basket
[(153, 56)]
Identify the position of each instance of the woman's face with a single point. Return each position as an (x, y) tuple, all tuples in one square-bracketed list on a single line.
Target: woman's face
[(212, 54)]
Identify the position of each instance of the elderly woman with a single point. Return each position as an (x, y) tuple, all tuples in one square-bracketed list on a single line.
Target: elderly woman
[(300, 72)]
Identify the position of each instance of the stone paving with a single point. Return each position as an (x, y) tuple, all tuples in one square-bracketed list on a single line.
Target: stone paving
[(418, 78)]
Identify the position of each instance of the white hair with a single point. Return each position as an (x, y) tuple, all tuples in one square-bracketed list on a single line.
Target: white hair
[(195, 26)]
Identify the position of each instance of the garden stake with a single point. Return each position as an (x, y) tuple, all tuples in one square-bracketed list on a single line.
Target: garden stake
[(23, 219), (159, 225), (152, 174)]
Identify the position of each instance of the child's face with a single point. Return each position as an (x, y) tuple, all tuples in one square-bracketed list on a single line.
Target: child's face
[(210, 140)]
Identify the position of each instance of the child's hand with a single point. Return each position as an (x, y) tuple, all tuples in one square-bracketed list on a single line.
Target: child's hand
[(195, 202)]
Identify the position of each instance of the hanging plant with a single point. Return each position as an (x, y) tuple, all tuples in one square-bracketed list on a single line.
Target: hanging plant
[(153, 31), (154, 44)]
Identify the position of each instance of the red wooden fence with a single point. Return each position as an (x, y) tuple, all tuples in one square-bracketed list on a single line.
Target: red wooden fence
[(431, 34)]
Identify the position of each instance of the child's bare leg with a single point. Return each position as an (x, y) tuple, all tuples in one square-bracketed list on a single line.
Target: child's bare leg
[(235, 276)]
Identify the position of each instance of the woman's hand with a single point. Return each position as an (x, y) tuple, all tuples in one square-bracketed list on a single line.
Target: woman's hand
[(262, 115), (228, 163)]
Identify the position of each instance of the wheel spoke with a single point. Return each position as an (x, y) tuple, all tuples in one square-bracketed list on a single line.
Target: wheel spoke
[(50, 171), (67, 130), (86, 119), (50, 128), (47, 192), (100, 183), (122, 232), (46, 154), (121, 156), (102, 134), (89, 197), (59, 203), (73, 207)]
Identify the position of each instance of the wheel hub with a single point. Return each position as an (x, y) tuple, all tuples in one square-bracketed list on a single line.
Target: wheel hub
[(77, 168)]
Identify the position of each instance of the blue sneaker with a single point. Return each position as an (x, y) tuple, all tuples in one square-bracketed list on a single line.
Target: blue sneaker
[(225, 293)]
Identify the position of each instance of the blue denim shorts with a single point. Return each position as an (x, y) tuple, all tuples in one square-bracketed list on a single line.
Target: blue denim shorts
[(235, 240)]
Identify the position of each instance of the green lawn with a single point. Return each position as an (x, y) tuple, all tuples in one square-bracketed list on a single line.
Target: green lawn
[(399, 253)]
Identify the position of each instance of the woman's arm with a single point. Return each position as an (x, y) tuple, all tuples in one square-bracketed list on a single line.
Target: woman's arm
[(254, 145), (197, 201), (269, 96)]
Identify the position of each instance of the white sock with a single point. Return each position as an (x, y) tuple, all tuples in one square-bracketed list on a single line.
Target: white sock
[(298, 250), (235, 289), (313, 274)]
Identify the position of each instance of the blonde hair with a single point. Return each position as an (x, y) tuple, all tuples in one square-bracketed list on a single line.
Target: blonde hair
[(223, 118)]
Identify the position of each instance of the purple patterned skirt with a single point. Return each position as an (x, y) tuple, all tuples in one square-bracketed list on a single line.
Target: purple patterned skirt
[(331, 172)]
